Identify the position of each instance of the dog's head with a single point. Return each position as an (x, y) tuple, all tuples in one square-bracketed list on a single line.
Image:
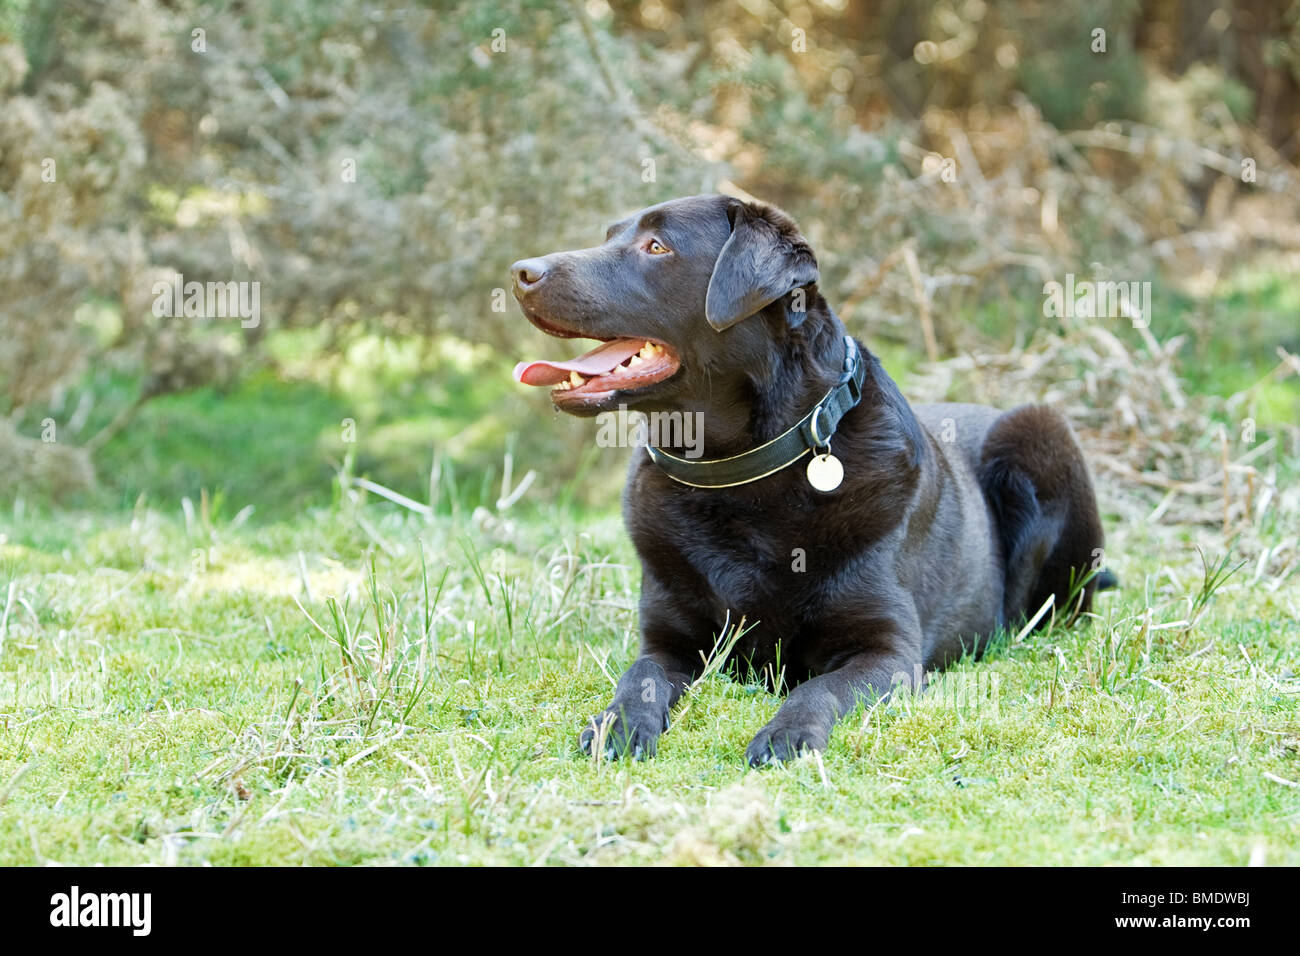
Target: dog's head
[(685, 296)]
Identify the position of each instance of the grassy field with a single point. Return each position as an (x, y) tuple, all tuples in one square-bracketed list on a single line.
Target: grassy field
[(165, 699), (333, 678)]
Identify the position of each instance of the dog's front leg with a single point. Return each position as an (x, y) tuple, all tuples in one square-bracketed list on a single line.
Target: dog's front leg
[(671, 638), (805, 720), (632, 723)]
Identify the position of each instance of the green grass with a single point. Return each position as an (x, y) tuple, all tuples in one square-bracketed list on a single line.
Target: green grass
[(275, 437), (164, 697), (152, 711)]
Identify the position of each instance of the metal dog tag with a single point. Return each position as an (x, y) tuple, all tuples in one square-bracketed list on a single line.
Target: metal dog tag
[(825, 472)]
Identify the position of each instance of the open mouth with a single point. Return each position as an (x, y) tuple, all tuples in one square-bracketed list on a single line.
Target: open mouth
[(617, 365)]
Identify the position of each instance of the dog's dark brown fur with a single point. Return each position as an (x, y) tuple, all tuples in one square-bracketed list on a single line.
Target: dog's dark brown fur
[(952, 520)]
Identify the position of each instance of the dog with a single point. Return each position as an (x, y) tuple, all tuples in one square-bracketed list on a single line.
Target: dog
[(871, 541)]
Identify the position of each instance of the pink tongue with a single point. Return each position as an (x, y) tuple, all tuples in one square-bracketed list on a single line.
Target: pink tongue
[(599, 360)]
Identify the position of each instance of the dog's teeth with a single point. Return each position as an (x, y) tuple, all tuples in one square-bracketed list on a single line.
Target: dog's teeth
[(575, 379), (564, 386), (636, 360)]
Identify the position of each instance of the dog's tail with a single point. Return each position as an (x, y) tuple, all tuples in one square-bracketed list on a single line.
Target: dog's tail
[(1037, 483)]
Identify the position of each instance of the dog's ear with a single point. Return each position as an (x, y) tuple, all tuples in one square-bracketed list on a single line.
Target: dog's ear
[(764, 259)]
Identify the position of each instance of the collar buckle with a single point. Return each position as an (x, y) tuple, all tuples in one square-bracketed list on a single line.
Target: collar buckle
[(850, 366), (855, 387)]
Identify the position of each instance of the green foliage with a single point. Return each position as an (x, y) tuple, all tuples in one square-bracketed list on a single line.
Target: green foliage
[(1073, 84), (229, 163), (12, 15)]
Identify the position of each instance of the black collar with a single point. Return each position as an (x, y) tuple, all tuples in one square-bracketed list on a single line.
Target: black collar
[(810, 433)]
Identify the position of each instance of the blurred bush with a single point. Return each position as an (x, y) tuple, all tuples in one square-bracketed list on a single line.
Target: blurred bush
[(376, 165)]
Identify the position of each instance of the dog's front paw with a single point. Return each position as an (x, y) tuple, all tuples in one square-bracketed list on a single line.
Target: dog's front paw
[(785, 739), (624, 730)]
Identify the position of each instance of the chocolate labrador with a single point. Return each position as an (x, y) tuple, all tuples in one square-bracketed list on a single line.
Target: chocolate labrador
[(868, 540)]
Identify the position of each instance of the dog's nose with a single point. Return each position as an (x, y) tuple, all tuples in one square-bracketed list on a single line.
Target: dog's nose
[(528, 273)]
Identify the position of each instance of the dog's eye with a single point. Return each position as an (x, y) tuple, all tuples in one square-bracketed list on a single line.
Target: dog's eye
[(656, 248)]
